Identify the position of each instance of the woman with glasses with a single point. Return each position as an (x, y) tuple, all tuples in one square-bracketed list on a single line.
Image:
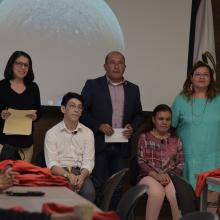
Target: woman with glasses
[(19, 92), (160, 155), (196, 115)]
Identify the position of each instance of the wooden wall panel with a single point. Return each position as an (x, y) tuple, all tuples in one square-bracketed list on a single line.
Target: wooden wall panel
[(50, 117)]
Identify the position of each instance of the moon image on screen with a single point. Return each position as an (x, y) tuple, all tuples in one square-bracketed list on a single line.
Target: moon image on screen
[(64, 39)]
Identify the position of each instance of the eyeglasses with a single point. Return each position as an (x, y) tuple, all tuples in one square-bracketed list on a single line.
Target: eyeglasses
[(20, 64), (77, 107), (201, 75)]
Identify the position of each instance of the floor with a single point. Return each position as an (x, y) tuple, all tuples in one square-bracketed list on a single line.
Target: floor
[(140, 211)]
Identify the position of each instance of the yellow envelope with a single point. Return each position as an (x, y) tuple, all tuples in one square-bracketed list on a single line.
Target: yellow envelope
[(18, 123)]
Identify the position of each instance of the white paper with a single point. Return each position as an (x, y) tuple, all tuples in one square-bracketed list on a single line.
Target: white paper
[(116, 137)]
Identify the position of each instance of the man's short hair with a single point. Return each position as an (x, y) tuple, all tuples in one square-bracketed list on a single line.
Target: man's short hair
[(71, 95), (113, 52)]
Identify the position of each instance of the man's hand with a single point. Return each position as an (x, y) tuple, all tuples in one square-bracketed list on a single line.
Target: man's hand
[(73, 181), (79, 182), (7, 178), (81, 178), (128, 131), (106, 129)]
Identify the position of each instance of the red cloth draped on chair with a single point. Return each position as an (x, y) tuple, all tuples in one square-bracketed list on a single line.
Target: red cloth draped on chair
[(202, 178)]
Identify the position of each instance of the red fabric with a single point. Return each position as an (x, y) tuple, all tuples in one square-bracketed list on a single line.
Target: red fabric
[(202, 178), (54, 208), (17, 209), (31, 175), (36, 176)]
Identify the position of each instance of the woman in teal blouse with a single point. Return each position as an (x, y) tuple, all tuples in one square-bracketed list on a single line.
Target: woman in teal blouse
[(196, 115)]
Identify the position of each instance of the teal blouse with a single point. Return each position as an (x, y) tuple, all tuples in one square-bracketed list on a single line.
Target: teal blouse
[(198, 125)]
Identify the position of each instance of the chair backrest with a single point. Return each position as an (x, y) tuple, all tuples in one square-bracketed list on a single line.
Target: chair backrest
[(129, 199), (200, 216), (133, 170), (110, 187), (40, 159), (186, 198)]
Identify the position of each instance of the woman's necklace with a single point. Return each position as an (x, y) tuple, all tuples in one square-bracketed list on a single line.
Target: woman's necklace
[(197, 116), (158, 136)]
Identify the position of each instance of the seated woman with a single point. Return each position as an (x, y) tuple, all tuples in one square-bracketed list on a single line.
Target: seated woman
[(159, 155)]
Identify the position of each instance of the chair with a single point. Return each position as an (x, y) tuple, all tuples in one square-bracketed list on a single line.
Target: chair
[(129, 200), (133, 170), (186, 198), (200, 216), (109, 189), (40, 159)]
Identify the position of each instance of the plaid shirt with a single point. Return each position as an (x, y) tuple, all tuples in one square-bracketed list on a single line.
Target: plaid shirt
[(162, 156)]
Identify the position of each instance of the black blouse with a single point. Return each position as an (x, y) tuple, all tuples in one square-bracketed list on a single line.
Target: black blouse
[(27, 100)]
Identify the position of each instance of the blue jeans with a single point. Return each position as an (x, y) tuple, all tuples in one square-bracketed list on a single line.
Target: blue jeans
[(107, 163)]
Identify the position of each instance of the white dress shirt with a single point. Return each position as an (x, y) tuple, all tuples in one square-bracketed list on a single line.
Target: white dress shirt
[(64, 148)]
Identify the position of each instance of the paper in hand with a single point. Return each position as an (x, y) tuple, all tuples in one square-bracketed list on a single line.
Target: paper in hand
[(116, 137), (18, 123)]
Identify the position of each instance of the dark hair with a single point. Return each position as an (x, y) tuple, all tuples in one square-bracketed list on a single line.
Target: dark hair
[(113, 52), (71, 95), (149, 125), (161, 108), (8, 73), (188, 90)]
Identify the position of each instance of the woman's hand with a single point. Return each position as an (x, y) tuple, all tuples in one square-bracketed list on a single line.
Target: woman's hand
[(32, 116), (163, 178), (5, 114)]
